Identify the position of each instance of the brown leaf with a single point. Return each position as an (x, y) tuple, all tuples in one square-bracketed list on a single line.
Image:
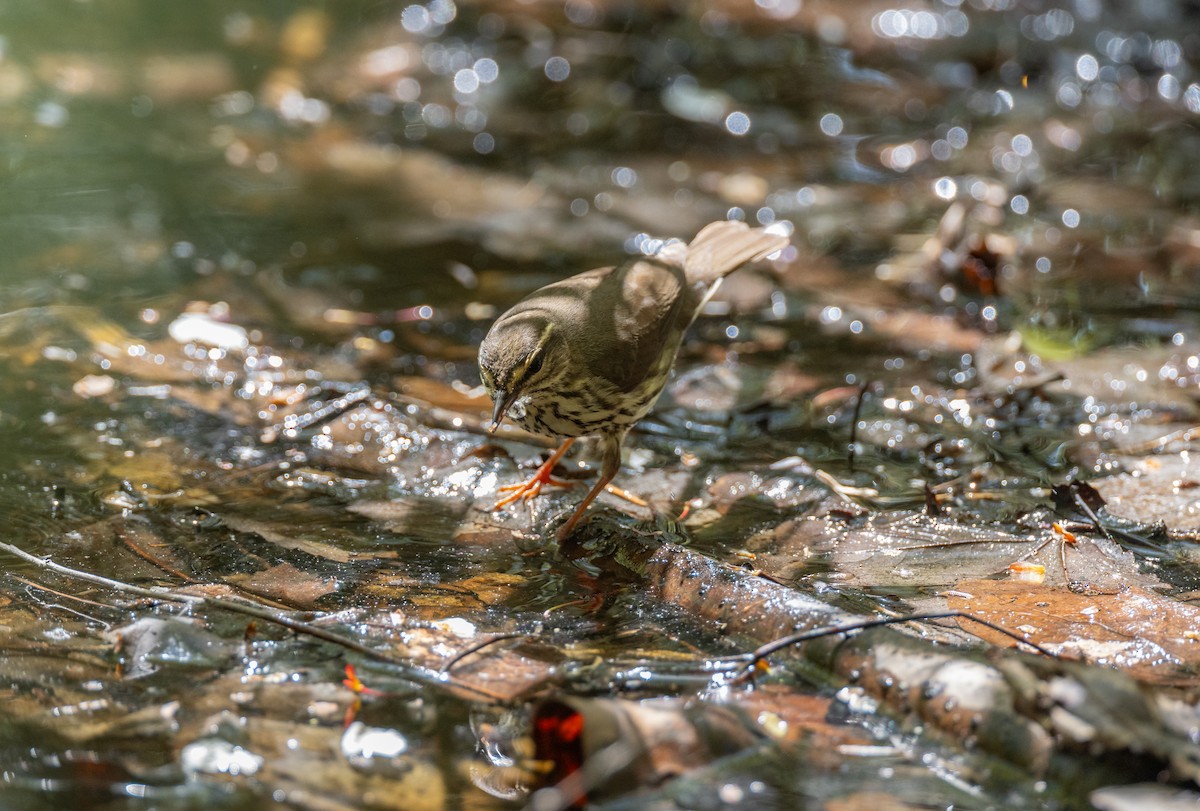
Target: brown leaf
[(286, 583), (1150, 636), (1157, 488), (492, 588), (434, 393), (790, 716), (505, 674)]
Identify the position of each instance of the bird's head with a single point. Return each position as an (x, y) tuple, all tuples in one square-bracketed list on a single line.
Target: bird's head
[(518, 357)]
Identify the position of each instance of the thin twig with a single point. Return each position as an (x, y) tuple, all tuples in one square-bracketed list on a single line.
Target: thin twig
[(1148, 546), (154, 560), (858, 401), (448, 666), (756, 656), (31, 586), (63, 594), (1095, 519)]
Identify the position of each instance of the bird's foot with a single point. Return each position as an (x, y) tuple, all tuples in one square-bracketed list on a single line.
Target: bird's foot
[(529, 490)]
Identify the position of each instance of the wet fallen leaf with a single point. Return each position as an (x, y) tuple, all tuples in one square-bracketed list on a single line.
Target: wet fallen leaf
[(1134, 630), (318, 549), (781, 492), (286, 583), (912, 549), (492, 588), (785, 714), (1115, 376), (415, 516), (153, 643), (506, 673), (1157, 489), (473, 403)]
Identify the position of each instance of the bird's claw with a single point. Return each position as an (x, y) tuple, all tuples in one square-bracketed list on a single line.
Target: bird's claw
[(544, 475), (529, 490)]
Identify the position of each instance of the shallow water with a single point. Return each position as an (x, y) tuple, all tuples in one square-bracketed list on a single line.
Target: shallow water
[(992, 290)]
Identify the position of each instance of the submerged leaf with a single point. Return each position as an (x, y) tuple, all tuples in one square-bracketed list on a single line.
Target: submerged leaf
[(1153, 637)]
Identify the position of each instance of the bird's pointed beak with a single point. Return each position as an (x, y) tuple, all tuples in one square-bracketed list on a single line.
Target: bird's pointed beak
[(503, 400)]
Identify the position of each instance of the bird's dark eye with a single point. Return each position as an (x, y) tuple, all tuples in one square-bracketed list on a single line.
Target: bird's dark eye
[(535, 365)]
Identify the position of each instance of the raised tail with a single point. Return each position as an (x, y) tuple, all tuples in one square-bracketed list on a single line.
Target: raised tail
[(722, 247)]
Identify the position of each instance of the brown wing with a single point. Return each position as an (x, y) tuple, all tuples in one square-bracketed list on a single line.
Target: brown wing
[(640, 310), (620, 323)]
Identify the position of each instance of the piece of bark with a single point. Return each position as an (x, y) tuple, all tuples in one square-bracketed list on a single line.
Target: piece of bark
[(1001, 703)]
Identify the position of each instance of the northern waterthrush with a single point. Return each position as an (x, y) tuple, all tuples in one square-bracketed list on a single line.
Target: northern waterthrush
[(590, 354)]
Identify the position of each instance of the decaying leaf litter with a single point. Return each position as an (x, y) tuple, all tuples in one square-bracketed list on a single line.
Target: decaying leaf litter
[(273, 442)]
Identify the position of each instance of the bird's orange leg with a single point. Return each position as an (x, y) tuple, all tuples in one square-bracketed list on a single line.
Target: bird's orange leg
[(610, 464), (565, 530), (528, 490)]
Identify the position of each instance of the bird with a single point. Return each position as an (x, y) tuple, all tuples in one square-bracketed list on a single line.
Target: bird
[(590, 354)]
